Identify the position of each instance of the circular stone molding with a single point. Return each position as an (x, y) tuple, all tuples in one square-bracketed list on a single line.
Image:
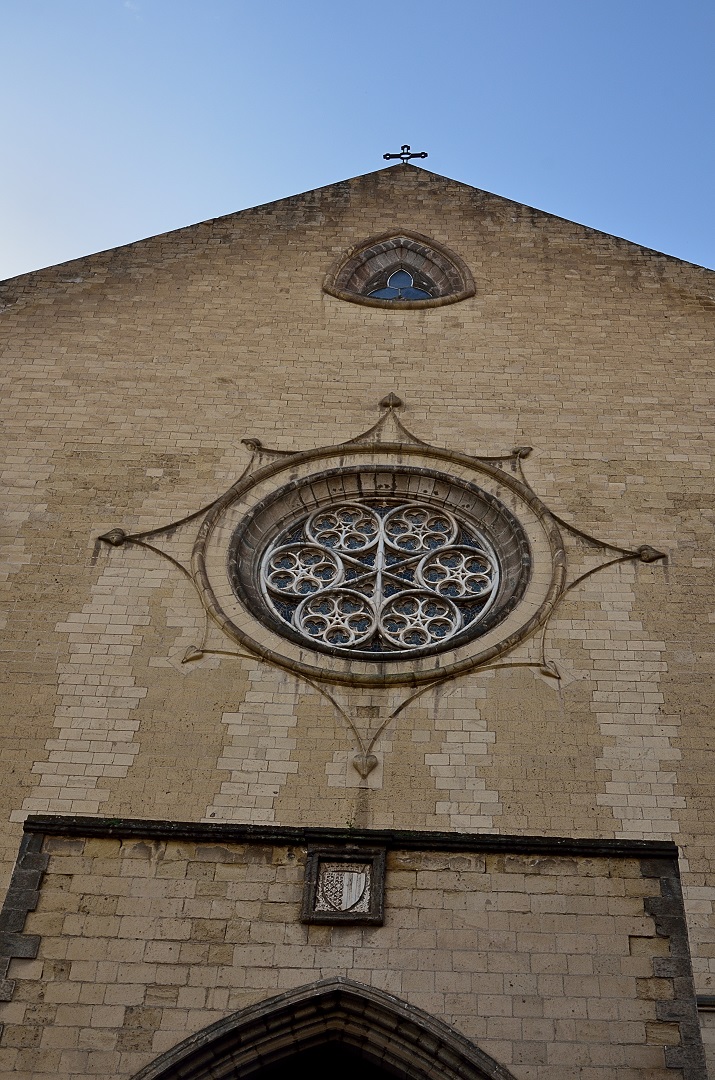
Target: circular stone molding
[(378, 574), (372, 565)]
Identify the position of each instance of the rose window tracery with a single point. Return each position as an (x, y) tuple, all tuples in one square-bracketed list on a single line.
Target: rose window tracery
[(380, 576)]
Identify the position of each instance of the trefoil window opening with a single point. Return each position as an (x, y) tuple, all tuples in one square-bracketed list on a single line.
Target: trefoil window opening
[(400, 286)]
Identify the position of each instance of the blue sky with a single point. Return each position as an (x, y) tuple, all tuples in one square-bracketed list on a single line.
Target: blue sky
[(125, 118)]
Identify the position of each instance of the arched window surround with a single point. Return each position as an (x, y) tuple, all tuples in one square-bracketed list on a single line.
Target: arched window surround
[(377, 1026), (366, 266)]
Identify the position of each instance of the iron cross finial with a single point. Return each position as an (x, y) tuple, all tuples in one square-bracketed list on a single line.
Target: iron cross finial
[(405, 155)]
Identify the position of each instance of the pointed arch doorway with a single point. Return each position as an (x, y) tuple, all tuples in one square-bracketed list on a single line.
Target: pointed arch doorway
[(363, 1033), (333, 1059)]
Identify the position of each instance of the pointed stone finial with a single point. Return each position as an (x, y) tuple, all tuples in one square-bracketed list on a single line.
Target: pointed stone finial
[(646, 553), (116, 537), (365, 763), (392, 401), (192, 653), (252, 444)]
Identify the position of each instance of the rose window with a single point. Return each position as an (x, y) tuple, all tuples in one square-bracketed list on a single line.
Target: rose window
[(380, 577)]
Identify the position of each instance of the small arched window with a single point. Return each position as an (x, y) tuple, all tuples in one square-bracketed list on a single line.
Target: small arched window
[(398, 271)]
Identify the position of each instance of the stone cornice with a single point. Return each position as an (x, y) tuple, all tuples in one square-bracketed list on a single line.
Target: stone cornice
[(392, 839)]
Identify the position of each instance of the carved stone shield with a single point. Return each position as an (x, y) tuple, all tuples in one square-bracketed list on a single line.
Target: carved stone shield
[(342, 888)]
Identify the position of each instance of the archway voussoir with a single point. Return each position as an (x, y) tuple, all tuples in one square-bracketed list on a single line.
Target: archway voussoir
[(371, 1023)]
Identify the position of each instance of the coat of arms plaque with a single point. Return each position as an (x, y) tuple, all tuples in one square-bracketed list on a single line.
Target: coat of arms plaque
[(344, 886)]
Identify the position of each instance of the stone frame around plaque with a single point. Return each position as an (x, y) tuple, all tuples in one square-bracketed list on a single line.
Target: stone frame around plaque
[(327, 899)]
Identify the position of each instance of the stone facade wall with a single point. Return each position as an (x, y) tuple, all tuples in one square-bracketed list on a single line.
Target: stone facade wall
[(553, 963), (130, 378), (707, 1024)]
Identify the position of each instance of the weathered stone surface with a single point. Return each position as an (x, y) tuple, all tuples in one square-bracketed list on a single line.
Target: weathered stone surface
[(509, 947), (129, 380)]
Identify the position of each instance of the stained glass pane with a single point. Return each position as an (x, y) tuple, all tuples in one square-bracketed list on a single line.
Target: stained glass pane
[(385, 294), (414, 294), (400, 286), (400, 280)]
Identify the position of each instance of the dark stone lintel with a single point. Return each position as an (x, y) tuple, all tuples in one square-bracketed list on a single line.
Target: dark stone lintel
[(392, 839)]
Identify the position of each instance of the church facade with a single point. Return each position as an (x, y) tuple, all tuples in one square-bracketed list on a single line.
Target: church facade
[(359, 648)]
